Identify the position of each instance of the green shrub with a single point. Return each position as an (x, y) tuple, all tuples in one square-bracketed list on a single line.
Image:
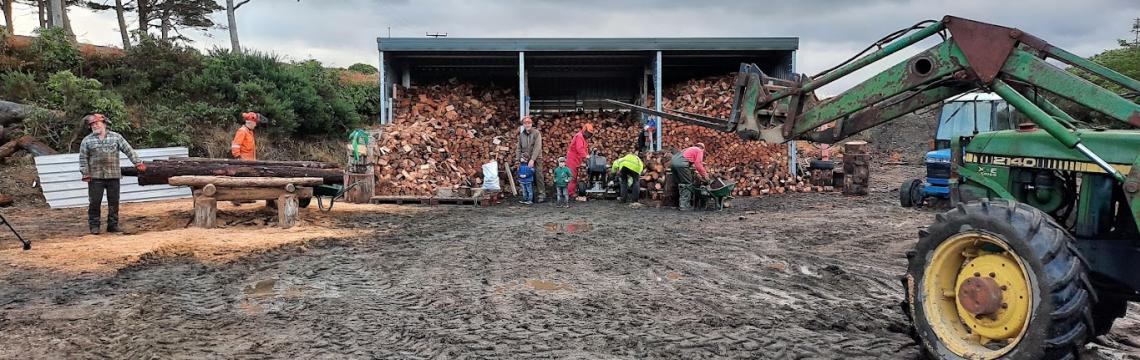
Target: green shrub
[(300, 98), (53, 51), (78, 96), (1125, 60), (19, 86), (363, 68), (52, 129)]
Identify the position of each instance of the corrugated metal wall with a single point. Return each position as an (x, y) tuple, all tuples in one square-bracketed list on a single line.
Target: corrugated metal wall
[(63, 187)]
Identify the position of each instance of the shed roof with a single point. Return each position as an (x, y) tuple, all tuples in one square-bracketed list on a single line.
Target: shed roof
[(589, 44)]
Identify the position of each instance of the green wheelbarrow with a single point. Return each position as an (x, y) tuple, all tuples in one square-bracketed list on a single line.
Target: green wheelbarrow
[(714, 194), (331, 192)]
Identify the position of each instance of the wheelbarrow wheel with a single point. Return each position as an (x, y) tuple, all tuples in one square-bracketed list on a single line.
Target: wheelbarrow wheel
[(304, 202)]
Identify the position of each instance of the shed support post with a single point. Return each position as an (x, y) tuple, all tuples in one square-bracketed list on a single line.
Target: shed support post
[(383, 92), (658, 99), (524, 101), (792, 153)]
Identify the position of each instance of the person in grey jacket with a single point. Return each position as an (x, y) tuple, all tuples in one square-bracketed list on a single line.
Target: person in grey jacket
[(99, 165), (530, 150)]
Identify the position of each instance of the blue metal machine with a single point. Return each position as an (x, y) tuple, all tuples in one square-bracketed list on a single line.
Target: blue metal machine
[(963, 115)]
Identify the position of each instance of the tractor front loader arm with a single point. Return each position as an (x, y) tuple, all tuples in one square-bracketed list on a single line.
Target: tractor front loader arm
[(973, 55)]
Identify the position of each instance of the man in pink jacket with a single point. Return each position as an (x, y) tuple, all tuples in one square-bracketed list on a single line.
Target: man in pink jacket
[(576, 154), (684, 163)]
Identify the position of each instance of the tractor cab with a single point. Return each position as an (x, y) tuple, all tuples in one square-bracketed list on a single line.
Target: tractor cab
[(963, 115)]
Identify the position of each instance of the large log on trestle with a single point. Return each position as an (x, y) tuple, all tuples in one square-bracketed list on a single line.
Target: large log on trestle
[(159, 172), (304, 164), (200, 181)]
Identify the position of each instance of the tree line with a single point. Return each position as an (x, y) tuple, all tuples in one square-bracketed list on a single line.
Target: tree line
[(169, 18)]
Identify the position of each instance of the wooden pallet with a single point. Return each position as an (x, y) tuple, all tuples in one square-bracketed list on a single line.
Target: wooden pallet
[(399, 200), (424, 200)]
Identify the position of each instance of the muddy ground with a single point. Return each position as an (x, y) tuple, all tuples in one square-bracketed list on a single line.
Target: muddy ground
[(789, 276)]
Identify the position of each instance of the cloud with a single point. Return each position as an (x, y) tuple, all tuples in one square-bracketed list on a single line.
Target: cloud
[(340, 33)]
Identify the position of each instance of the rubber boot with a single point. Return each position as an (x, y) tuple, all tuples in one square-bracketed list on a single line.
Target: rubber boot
[(685, 197), (113, 219)]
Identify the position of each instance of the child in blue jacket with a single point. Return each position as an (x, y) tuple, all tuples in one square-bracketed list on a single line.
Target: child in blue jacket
[(526, 179)]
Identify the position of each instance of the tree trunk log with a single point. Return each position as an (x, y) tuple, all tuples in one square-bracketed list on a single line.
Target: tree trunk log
[(303, 164), (35, 147), (120, 14), (159, 172), (11, 113), (231, 20), (28, 143), (220, 181), (251, 193)]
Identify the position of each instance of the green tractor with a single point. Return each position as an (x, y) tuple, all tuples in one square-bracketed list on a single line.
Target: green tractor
[(1041, 252)]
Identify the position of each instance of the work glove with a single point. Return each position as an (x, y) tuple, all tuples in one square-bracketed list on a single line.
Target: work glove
[(86, 179), (141, 167)]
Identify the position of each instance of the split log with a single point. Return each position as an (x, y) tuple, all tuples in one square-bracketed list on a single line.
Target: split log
[(159, 172), (264, 182), (441, 135)]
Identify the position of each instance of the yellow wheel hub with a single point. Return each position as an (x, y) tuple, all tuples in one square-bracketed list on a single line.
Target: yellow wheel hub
[(977, 295)]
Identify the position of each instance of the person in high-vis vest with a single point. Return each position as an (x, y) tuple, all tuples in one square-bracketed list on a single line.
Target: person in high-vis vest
[(244, 146), (628, 170)]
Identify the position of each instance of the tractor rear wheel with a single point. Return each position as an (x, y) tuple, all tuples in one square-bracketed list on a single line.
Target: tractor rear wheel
[(998, 279)]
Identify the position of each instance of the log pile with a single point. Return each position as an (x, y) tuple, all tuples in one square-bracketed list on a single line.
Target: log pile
[(160, 171), (440, 137), (758, 168), (442, 134)]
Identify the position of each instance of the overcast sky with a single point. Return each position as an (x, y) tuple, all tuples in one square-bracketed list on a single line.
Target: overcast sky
[(343, 32)]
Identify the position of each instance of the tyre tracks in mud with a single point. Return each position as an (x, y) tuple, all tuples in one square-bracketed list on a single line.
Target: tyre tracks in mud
[(499, 282)]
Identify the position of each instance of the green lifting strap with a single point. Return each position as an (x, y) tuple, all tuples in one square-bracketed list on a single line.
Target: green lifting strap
[(356, 137)]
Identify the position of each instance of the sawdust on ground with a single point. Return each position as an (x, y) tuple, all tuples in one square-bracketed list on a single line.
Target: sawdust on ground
[(156, 231)]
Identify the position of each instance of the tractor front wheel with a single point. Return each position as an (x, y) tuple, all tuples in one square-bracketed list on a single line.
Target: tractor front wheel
[(998, 279), (910, 193)]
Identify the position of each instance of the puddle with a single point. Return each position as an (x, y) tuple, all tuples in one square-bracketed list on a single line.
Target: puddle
[(542, 285), (251, 308), (570, 228), (263, 287)]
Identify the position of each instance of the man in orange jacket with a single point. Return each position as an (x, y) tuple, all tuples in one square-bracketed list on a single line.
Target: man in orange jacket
[(244, 146)]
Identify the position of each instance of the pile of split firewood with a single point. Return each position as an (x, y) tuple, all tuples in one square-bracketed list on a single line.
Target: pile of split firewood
[(442, 134)]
